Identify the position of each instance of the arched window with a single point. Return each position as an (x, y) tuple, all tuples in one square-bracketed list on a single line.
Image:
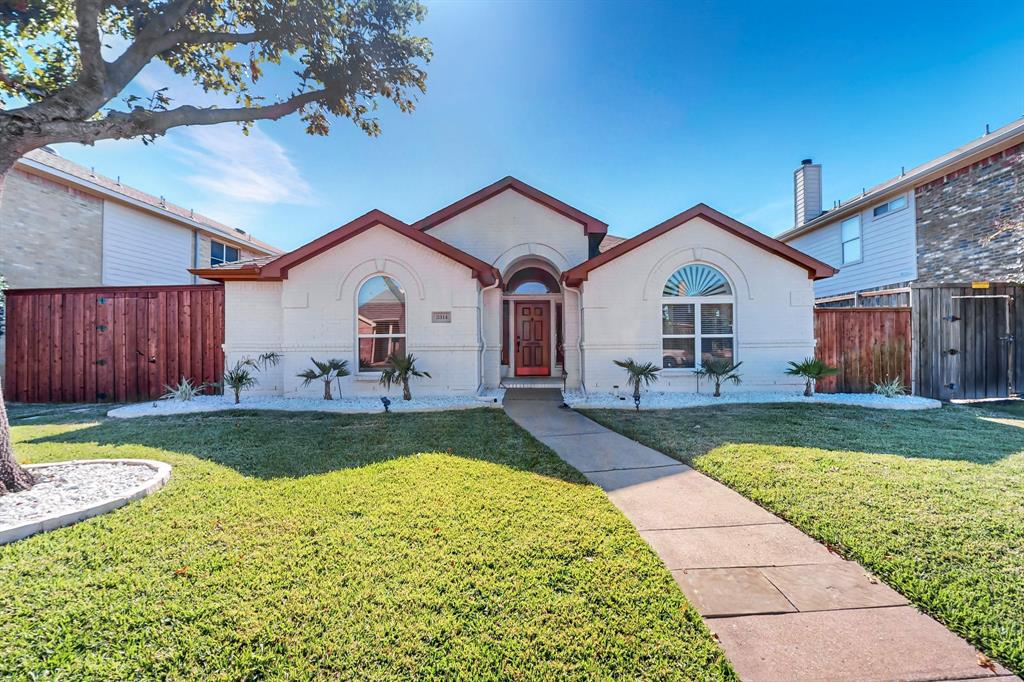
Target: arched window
[(532, 281), (696, 316), (381, 322)]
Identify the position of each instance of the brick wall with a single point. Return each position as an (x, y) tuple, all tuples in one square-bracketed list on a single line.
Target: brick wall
[(51, 235), (956, 214)]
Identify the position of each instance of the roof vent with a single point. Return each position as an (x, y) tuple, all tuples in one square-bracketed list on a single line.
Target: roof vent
[(807, 162)]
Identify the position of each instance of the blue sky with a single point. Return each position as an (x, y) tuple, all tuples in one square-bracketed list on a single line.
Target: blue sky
[(630, 111)]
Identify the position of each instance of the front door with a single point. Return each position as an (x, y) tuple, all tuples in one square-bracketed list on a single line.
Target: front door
[(533, 340)]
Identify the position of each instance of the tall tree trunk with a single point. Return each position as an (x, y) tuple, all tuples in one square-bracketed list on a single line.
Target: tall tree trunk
[(13, 478)]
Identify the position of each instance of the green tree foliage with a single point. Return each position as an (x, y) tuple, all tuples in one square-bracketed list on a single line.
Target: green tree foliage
[(64, 64)]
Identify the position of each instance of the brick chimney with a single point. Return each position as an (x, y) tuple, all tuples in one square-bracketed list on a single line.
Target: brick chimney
[(806, 192)]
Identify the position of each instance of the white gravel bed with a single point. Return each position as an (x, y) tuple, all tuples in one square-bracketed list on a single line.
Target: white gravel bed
[(659, 400), (66, 492), (346, 405)]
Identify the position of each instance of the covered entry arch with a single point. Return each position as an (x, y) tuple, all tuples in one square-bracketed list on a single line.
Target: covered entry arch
[(532, 319)]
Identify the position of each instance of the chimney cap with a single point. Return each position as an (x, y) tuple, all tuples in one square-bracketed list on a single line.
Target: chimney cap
[(807, 162)]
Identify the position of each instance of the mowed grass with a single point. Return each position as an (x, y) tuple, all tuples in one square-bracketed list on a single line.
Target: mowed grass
[(305, 546), (932, 502)]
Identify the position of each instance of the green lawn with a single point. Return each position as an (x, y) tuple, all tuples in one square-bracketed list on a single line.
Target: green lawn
[(932, 502), (443, 545)]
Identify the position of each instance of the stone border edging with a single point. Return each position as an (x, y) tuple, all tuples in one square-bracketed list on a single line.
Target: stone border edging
[(628, 405), (162, 473), (489, 402)]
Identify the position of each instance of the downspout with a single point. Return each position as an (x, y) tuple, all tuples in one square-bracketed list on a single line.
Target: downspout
[(579, 335), (480, 333)]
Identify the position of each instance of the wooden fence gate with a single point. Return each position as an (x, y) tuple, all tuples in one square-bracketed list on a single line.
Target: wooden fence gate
[(868, 345), (118, 344), (964, 340)]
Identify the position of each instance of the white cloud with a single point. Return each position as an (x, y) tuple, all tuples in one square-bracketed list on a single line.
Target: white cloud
[(233, 167), (771, 218)]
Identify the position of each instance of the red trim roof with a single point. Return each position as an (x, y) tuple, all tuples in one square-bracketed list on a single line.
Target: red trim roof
[(278, 268), (591, 225), (815, 268)]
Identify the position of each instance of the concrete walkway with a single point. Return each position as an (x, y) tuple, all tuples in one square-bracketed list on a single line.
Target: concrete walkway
[(782, 605)]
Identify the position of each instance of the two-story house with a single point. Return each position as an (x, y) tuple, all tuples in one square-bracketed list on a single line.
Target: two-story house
[(63, 225), (933, 224), (944, 238)]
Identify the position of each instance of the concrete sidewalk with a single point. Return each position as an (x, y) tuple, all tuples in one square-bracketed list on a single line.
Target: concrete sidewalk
[(782, 605)]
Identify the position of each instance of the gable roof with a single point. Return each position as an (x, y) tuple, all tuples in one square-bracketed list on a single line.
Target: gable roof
[(49, 164), (277, 268), (591, 225), (976, 151), (815, 268)]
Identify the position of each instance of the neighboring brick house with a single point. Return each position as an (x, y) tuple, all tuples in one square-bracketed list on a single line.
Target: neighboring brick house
[(931, 224), (62, 225)]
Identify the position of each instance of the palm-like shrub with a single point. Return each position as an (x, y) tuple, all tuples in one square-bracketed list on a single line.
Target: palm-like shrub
[(811, 369), (400, 369), (183, 390), (243, 375), (718, 370), (325, 371), (638, 375)]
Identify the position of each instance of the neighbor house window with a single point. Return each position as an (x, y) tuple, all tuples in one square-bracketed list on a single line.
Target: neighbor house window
[(222, 253), (851, 235), (696, 317), (381, 322), (890, 206)]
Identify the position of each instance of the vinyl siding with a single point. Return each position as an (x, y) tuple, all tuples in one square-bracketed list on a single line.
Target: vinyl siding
[(888, 250), (139, 248)]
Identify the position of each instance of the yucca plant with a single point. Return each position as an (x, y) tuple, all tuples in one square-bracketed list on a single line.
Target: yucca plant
[(718, 370), (326, 371), (400, 369), (891, 388), (243, 375), (811, 369), (638, 375), (183, 390)]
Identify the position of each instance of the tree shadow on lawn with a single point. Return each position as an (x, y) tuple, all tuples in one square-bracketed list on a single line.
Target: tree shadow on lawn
[(267, 445), (948, 433)]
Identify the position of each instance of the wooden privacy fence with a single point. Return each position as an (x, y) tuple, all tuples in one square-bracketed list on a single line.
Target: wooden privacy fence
[(868, 345), (118, 344)]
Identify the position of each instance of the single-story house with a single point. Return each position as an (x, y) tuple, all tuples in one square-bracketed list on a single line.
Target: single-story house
[(509, 283)]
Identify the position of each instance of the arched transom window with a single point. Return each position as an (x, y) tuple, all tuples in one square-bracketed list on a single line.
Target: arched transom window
[(532, 280), (381, 322), (696, 317)]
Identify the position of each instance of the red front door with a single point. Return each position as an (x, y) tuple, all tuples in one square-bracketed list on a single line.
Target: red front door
[(533, 338)]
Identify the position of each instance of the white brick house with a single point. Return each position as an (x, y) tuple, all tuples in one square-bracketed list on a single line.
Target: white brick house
[(510, 282)]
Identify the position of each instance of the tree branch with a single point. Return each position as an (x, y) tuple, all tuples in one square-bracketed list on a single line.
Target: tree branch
[(120, 125), (87, 15), (148, 44)]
